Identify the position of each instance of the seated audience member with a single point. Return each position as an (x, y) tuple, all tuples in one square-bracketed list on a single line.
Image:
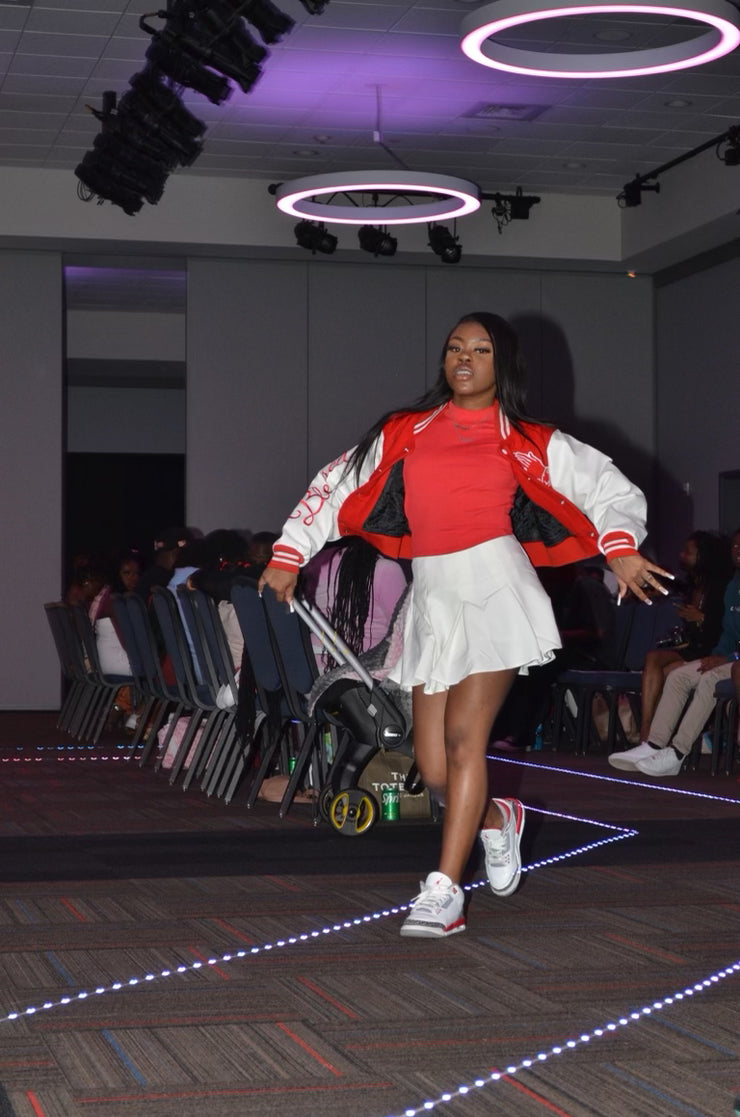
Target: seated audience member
[(585, 613), (706, 563), (671, 735), (225, 560), (259, 551), (167, 547), (86, 584), (357, 589), (112, 655), (111, 652)]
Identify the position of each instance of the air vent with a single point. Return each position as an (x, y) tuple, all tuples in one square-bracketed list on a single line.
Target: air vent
[(506, 112)]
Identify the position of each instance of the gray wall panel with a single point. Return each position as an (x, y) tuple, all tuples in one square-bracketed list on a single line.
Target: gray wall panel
[(31, 465), (698, 394), (598, 368), (366, 350), (247, 409)]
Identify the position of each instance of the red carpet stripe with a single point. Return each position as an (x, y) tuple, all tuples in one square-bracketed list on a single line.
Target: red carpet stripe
[(306, 1047), (35, 1104), (537, 1097), (320, 992), (77, 914)]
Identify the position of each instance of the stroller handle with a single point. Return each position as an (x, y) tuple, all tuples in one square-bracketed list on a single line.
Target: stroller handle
[(331, 640)]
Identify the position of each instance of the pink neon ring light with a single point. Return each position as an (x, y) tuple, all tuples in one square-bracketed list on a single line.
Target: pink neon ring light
[(457, 197), (493, 18)]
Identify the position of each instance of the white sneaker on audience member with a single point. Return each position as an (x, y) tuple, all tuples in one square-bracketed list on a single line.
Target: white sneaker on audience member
[(627, 761), (664, 762)]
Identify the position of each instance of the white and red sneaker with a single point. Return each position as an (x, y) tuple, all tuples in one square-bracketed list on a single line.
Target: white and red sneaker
[(437, 911), (503, 859)]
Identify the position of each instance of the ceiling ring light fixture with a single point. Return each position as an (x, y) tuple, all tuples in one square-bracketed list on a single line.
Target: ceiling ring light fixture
[(722, 36), (452, 197)]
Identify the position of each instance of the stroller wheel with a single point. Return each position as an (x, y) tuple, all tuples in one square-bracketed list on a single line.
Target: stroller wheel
[(353, 812), (325, 797)]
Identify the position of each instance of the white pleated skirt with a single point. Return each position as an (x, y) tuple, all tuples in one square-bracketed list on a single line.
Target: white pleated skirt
[(482, 609)]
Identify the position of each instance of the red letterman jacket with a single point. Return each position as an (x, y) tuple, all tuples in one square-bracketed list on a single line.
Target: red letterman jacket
[(571, 502)]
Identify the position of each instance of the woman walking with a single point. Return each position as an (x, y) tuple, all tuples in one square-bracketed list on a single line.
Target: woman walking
[(474, 493)]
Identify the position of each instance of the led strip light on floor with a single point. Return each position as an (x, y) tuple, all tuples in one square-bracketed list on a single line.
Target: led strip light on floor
[(606, 1029), (617, 833), (615, 779)]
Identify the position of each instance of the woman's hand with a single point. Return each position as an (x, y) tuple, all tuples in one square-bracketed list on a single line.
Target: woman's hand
[(281, 581), (636, 573)]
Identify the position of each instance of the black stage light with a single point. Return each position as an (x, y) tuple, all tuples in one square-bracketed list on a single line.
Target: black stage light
[(165, 54), (377, 240), (225, 28), (314, 7), (98, 183), (444, 244), (730, 154), (631, 194), (145, 172), (155, 115), (315, 237), (520, 204), (128, 174), (211, 35), (271, 23)]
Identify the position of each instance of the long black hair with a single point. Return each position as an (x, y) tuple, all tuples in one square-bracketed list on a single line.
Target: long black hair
[(351, 577), (510, 382), (713, 558)]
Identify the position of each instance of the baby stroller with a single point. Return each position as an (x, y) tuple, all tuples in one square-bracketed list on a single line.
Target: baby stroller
[(349, 715), (372, 714)]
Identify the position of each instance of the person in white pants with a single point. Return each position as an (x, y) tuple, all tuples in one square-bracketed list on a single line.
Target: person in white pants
[(669, 743)]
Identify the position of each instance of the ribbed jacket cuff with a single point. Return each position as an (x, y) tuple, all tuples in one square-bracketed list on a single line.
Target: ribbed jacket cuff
[(286, 558), (618, 544)]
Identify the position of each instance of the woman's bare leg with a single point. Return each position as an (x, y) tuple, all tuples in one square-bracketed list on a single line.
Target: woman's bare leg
[(451, 733), (653, 678)]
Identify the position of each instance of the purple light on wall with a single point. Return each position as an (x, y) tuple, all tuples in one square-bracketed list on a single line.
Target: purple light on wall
[(479, 26)]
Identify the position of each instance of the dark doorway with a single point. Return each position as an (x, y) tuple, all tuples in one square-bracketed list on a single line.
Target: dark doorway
[(114, 501)]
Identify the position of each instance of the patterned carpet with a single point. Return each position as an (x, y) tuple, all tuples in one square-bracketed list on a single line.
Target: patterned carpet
[(165, 956)]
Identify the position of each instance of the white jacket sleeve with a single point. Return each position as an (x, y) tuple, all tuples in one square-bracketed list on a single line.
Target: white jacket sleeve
[(313, 522), (589, 479)]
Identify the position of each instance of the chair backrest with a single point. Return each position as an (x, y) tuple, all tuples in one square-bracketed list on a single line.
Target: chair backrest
[(293, 653), (202, 649), (66, 640), (253, 623), (649, 623), (171, 626), (127, 636), (208, 620), (86, 633), (139, 619)]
